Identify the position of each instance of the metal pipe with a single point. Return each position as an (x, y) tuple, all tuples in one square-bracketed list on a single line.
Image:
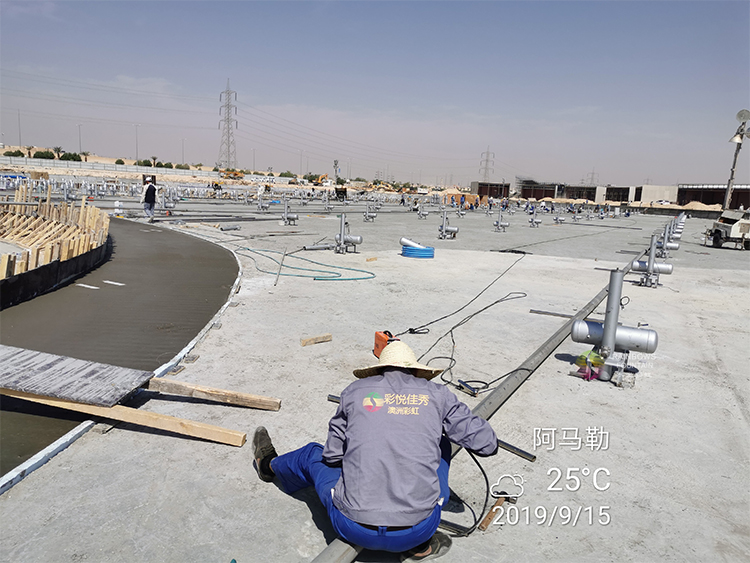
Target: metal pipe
[(651, 255), (656, 268), (627, 339), (610, 320), (510, 384), (408, 242)]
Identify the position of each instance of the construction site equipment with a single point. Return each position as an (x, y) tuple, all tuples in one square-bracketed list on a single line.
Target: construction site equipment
[(382, 339), (369, 216), (732, 226), (319, 181), (533, 221), (344, 240), (614, 342), (421, 213), (500, 225), (289, 218), (651, 269), (232, 174), (665, 244), (445, 230), (262, 205), (559, 220)]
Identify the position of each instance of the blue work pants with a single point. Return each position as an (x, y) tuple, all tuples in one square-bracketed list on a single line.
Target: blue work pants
[(305, 468)]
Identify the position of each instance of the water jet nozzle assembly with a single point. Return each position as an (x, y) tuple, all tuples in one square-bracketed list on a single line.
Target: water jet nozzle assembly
[(533, 221), (651, 269), (344, 240), (421, 213), (369, 215), (289, 218), (500, 225), (612, 341), (445, 230)]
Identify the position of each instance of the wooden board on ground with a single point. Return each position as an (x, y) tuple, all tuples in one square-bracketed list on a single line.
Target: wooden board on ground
[(66, 378), (316, 339), (170, 386), (141, 418)]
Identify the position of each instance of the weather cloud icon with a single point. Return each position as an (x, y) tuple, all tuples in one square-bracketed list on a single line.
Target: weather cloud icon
[(512, 485)]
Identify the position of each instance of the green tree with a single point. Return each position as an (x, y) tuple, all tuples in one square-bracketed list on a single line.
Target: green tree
[(341, 181), (287, 174), (182, 166), (57, 151), (13, 153), (71, 156), (119, 161), (159, 165), (49, 155), (168, 165), (358, 179)]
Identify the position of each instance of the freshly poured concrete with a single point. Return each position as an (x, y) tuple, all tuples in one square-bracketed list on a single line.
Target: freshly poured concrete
[(677, 458)]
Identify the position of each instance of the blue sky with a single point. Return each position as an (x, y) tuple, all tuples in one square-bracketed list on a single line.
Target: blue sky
[(621, 92)]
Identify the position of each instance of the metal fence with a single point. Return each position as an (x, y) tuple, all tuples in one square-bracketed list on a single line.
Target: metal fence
[(69, 164)]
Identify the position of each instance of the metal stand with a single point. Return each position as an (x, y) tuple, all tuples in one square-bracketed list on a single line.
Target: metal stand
[(500, 225), (445, 230)]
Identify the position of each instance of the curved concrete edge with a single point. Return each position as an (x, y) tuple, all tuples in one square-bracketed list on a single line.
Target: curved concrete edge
[(16, 475), (162, 370)]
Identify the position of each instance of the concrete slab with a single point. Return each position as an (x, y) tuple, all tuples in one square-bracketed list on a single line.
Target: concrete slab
[(672, 482)]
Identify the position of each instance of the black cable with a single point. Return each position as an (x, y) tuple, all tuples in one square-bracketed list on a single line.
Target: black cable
[(421, 329), (477, 519)]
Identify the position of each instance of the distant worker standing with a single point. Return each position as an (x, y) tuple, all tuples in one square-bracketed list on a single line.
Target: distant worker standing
[(383, 473), (148, 199)]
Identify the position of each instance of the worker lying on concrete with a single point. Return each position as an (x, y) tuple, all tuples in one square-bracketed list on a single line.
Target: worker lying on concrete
[(383, 473)]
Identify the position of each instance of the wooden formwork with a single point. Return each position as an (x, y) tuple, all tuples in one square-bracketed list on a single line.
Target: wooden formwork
[(47, 231)]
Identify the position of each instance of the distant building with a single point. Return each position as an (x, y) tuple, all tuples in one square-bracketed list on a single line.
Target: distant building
[(713, 193), (490, 189)]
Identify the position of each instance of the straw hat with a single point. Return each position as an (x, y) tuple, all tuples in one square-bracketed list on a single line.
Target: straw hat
[(397, 354)]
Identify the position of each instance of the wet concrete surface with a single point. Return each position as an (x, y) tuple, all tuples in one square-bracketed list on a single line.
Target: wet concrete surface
[(153, 296)]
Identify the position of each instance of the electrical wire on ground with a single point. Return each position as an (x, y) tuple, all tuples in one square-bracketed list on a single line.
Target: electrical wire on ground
[(316, 274), (423, 328)]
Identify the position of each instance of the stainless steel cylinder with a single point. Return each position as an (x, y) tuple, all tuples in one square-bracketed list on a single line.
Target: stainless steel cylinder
[(669, 245), (657, 268), (408, 242), (627, 339)]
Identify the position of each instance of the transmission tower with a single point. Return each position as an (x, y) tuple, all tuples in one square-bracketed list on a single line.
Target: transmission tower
[(227, 151), (592, 179), (486, 164)]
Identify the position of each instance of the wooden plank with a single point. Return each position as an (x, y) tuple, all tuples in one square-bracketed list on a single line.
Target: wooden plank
[(316, 339), (180, 426), (172, 387), (72, 379), (5, 266)]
